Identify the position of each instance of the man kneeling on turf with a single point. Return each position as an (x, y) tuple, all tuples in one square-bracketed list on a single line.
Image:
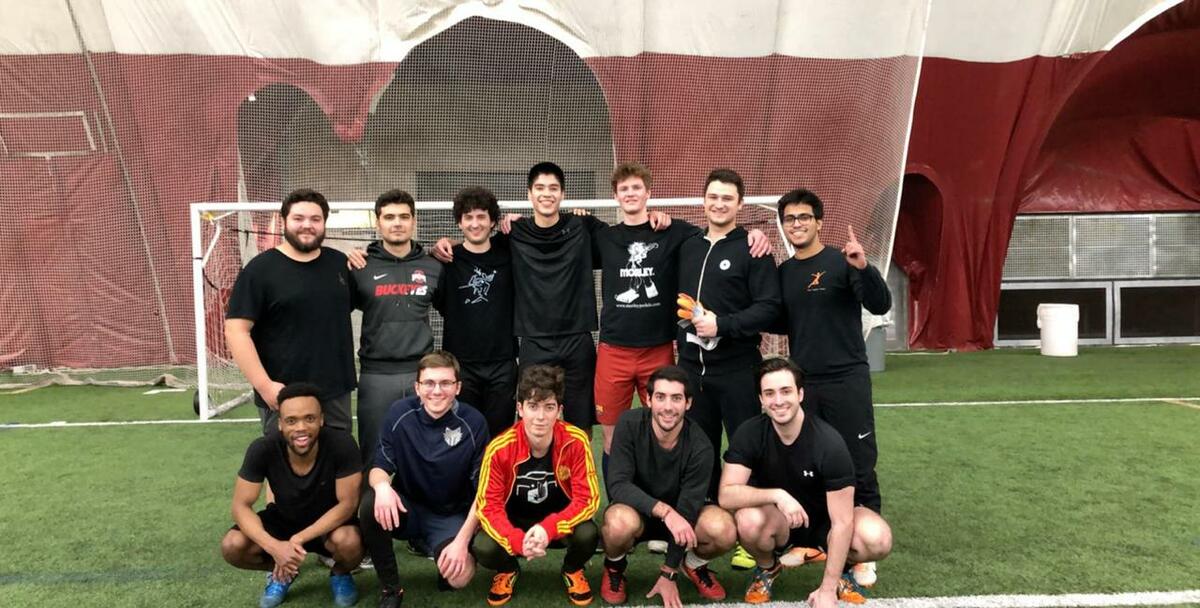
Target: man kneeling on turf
[(790, 482), (538, 489), (659, 474), (423, 479), (316, 475)]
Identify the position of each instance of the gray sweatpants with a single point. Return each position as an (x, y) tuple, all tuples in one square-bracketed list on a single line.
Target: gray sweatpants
[(376, 393)]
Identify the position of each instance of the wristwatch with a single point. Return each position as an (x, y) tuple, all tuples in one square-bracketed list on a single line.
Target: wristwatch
[(670, 575)]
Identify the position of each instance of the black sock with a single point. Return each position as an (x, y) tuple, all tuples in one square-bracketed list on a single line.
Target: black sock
[(616, 564)]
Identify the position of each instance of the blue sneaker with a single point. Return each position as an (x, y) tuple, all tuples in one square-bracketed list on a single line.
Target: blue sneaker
[(345, 592), (275, 592)]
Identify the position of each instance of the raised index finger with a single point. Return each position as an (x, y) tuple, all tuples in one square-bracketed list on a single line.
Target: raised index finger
[(850, 231)]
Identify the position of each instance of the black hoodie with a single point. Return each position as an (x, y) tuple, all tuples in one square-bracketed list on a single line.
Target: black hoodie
[(743, 291), (395, 295)]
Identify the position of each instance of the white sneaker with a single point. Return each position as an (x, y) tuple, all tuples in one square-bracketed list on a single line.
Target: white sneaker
[(864, 574), (325, 560), (657, 546)]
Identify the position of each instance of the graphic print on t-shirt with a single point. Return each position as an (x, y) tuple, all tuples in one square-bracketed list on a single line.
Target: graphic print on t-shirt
[(480, 284), (535, 486), (641, 279)]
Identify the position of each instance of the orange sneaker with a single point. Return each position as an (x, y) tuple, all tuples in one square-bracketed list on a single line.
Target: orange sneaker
[(502, 588), (578, 589), (849, 591), (706, 583), (612, 586), (798, 556), (761, 579), (864, 574)]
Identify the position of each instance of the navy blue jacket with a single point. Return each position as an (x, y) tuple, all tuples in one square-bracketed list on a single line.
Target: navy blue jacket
[(434, 462)]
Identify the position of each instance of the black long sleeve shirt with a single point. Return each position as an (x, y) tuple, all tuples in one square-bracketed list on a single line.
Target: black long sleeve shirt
[(822, 296), (641, 473)]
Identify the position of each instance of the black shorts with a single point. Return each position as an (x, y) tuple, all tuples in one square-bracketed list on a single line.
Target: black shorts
[(816, 534), (576, 355), (653, 528), (278, 527)]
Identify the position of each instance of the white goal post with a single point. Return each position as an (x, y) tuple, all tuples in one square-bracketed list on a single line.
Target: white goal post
[(226, 235)]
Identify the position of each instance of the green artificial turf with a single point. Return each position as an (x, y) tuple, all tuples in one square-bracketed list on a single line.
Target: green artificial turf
[(998, 499)]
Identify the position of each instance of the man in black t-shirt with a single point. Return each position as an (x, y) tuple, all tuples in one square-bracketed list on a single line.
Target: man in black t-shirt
[(661, 464), (789, 480), (824, 291), (288, 318), (475, 298), (315, 475)]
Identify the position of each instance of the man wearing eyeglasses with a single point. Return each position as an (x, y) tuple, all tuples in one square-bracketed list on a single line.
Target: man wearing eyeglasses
[(824, 290), (422, 484)]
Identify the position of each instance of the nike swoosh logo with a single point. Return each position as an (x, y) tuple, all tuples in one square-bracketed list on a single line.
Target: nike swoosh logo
[(864, 435), (379, 276)]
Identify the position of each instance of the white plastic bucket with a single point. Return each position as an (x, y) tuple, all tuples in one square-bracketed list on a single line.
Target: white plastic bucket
[(1060, 329)]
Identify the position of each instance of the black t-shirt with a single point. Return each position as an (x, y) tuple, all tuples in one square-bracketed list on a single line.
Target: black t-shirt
[(301, 314), (821, 299), (640, 282), (817, 461), (535, 492), (475, 298), (302, 499), (552, 270)]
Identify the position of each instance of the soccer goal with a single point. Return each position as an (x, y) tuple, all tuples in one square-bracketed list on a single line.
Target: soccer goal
[(225, 236)]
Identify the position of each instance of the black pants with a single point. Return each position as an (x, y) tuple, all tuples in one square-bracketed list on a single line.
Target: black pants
[(581, 544), (722, 399), (490, 387), (419, 523), (845, 403), (576, 354)]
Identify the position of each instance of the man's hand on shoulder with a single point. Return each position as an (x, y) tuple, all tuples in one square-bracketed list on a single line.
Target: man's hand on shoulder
[(760, 245), (443, 250), (659, 221), (506, 222), (356, 259)]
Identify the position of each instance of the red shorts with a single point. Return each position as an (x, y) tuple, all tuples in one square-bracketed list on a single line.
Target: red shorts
[(619, 369)]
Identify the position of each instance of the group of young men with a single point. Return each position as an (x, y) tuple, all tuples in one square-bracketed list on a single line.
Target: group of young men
[(447, 468)]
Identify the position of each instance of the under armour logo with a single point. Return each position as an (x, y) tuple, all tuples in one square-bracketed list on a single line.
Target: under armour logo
[(809, 474)]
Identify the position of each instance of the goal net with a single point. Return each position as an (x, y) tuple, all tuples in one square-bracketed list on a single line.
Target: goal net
[(226, 236), (115, 117)]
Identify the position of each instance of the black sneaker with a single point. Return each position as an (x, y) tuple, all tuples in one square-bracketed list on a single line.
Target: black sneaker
[(391, 597)]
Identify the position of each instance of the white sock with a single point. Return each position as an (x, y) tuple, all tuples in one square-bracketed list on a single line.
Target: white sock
[(693, 561)]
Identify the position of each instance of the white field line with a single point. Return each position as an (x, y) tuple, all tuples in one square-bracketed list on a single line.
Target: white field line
[(1148, 598), (1174, 400), (1183, 401)]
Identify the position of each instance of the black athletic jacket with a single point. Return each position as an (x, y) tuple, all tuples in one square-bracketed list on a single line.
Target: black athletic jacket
[(742, 290)]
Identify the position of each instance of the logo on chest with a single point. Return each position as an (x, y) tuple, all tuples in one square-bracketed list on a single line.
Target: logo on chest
[(452, 436), (815, 283)]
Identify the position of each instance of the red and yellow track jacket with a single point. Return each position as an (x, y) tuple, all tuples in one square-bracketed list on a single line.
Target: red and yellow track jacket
[(574, 470)]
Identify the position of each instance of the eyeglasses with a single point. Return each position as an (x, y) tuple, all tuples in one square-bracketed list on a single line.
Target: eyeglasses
[(800, 218), (444, 384)]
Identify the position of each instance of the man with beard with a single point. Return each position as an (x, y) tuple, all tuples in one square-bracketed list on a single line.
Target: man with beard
[(316, 475), (395, 291), (659, 477), (288, 318), (789, 480)]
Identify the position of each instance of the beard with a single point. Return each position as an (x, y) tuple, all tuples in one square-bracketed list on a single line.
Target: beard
[(293, 239)]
